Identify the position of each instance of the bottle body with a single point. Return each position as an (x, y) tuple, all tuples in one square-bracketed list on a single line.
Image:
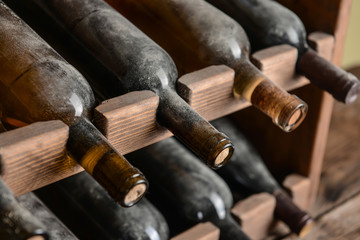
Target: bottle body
[(55, 228), (37, 84), (140, 64), (16, 222), (105, 217), (197, 35), (28, 67), (194, 190), (269, 23)]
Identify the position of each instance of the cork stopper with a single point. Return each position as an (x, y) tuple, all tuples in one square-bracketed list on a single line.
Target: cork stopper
[(135, 194), (36, 238), (292, 114), (221, 155), (287, 111)]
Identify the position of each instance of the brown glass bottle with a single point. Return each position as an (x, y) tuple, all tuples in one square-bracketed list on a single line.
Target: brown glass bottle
[(140, 64), (37, 84), (197, 35)]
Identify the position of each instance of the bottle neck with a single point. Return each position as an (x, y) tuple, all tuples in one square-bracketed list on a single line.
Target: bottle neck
[(299, 222), (96, 155), (193, 130), (229, 229), (344, 86), (287, 111)]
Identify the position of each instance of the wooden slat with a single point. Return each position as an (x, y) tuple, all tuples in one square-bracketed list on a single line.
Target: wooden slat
[(34, 156), (201, 231), (298, 187), (209, 90), (129, 121), (280, 67), (255, 214)]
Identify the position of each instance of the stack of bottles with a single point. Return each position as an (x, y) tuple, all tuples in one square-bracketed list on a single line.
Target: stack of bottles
[(145, 45)]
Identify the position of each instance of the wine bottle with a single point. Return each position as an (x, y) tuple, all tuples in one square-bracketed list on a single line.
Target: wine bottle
[(81, 195), (37, 84), (16, 222), (194, 190), (247, 168), (140, 64), (268, 23), (197, 35), (55, 228)]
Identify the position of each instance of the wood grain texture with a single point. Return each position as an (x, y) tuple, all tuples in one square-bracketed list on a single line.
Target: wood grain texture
[(209, 90), (34, 156), (298, 187), (201, 231), (129, 121), (278, 64)]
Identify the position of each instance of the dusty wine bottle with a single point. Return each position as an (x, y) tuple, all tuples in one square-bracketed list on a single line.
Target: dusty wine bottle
[(193, 189), (37, 84), (196, 35), (268, 23), (140, 64), (81, 195), (16, 222), (55, 228), (247, 168)]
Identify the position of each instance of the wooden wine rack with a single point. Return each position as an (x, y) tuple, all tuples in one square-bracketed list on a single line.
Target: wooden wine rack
[(35, 156)]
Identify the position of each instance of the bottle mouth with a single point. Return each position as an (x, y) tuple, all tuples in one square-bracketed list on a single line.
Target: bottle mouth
[(39, 234), (135, 193), (353, 93), (223, 155), (308, 224), (292, 115)]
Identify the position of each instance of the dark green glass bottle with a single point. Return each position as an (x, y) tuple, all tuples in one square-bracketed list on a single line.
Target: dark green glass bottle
[(196, 192), (246, 168), (268, 23), (16, 222), (80, 199), (140, 64), (197, 35), (55, 228), (37, 84)]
